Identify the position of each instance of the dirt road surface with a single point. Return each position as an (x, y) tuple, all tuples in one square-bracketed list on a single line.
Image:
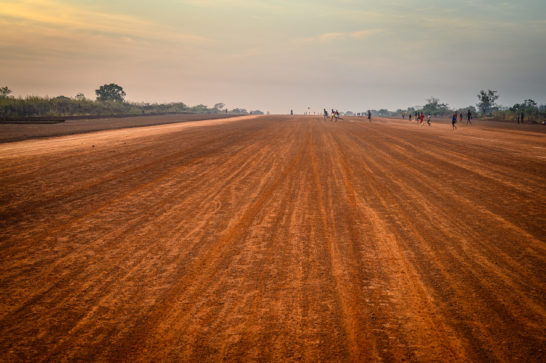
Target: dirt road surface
[(275, 239), (16, 132)]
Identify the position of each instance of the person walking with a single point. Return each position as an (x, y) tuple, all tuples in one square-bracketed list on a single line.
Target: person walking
[(428, 119), (461, 117), (468, 117), (369, 116), (454, 120), (421, 118), (325, 114)]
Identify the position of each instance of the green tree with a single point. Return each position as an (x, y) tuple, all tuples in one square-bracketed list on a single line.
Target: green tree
[(487, 101), (4, 91), (200, 109), (435, 108), (530, 105), (219, 106), (110, 92)]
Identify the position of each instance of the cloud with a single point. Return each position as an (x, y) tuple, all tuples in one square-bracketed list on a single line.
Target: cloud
[(339, 36), (361, 34), (326, 37), (56, 15)]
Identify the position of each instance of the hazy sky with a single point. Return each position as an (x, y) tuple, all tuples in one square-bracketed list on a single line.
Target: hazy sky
[(275, 55)]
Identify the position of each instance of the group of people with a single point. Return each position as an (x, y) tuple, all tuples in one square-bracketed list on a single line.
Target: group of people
[(419, 117), (454, 118), (335, 115)]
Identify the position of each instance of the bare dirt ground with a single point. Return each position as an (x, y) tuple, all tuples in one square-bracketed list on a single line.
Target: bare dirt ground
[(16, 132), (275, 239)]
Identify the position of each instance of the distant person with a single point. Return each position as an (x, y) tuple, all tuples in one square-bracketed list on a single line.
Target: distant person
[(461, 117), (410, 116), (428, 119), (325, 114), (421, 118), (335, 115), (369, 116), (454, 120), (291, 112), (469, 117), (403, 115), (522, 117)]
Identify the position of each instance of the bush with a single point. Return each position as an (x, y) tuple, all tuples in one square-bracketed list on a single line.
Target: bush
[(32, 106)]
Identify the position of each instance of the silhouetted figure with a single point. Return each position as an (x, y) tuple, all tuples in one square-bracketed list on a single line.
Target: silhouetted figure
[(325, 114), (291, 112), (468, 118), (369, 116), (454, 120)]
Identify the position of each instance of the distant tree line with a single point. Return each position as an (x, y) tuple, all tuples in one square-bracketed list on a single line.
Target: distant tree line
[(486, 108), (110, 101)]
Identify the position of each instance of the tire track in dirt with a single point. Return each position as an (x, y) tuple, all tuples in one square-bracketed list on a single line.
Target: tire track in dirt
[(427, 177), (194, 247), (112, 178), (278, 239), (380, 249), (93, 211), (389, 175), (204, 270), (140, 219)]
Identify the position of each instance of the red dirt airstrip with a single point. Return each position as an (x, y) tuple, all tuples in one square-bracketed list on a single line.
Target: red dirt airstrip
[(275, 239)]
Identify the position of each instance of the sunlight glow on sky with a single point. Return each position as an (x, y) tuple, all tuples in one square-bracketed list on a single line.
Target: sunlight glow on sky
[(275, 55)]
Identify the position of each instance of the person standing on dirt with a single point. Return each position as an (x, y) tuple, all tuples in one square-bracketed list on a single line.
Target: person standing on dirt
[(421, 118), (522, 116), (291, 112), (461, 117), (468, 118), (325, 114), (369, 116), (454, 120), (403, 115), (428, 119), (409, 116)]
